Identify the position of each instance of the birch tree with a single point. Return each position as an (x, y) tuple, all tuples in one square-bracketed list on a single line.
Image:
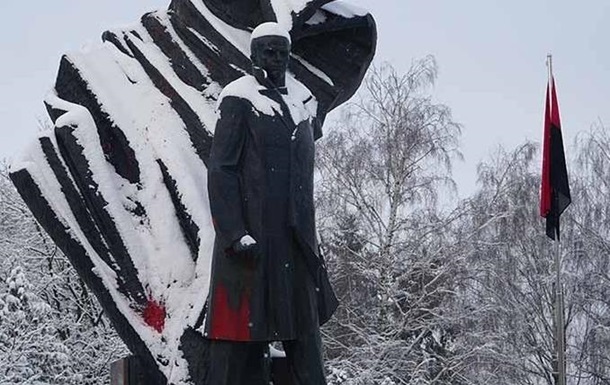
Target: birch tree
[(511, 264), (381, 171)]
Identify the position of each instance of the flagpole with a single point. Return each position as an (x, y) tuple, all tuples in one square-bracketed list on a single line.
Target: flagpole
[(559, 318), (559, 303)]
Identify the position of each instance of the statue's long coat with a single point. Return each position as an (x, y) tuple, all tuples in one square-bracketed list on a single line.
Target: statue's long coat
[(261, 183)]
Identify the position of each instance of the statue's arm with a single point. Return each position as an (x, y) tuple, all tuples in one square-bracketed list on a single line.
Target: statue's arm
[(223, 171)]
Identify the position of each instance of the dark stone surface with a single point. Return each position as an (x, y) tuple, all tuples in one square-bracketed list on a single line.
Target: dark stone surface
[(131, 370), (195, 349)]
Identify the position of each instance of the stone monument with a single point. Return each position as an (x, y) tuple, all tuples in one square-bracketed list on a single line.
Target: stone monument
[(120, 183)]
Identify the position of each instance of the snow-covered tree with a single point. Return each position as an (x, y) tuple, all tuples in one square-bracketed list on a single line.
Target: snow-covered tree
[(510, 261), (588, 259), (32, 351), (52, 330), (381, 172)]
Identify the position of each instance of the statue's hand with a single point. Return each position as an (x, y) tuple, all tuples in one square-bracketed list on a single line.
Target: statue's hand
[(245, 243)]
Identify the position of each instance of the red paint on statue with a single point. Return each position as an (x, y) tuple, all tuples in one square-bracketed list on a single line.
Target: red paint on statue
[(228, 323), (154, 315)]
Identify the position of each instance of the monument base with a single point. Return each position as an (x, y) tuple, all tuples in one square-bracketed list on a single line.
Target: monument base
[(129, 371)]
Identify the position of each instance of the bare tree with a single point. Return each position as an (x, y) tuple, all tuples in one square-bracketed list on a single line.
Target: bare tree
[(589, 258), (381, 170), (512, 275)]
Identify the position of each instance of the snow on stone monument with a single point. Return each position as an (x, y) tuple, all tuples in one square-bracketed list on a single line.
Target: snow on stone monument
[(120, 182)]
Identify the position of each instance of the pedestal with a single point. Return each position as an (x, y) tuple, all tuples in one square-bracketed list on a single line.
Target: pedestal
[(129, 371)]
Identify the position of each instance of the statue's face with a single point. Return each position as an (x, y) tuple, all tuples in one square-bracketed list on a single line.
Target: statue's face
[(271, 53)]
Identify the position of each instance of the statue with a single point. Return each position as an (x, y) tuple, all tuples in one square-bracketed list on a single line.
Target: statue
[(120, 183), (269, 281)]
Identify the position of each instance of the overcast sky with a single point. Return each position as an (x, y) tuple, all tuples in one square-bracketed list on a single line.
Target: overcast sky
[(491, 57)]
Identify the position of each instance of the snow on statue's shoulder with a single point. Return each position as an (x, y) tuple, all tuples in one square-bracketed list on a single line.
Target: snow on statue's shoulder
[(300, 101), (248, 88)]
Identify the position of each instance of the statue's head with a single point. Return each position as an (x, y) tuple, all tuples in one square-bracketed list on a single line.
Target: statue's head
[(270, 51)]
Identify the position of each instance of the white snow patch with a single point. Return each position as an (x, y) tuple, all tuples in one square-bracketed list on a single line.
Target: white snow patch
[(283, 10), (300, 102), (247, 87), (204, 40), (314, 70), (269, 29), (345, 9), (237, 37), (318, 18)]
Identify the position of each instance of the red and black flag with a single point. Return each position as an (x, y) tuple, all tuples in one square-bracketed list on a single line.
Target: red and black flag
[(555, 190)]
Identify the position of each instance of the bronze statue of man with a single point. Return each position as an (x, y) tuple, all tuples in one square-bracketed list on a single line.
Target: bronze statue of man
[(269, 281)]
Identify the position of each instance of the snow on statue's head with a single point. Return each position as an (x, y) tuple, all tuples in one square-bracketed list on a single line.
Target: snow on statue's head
[(269, 29)]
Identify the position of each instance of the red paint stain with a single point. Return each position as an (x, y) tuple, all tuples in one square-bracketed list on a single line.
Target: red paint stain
[(228, 323), (154, 315)]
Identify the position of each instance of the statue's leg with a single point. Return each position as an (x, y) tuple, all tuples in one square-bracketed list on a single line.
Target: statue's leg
[(258, 368), (238, 363), (304, 357)]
